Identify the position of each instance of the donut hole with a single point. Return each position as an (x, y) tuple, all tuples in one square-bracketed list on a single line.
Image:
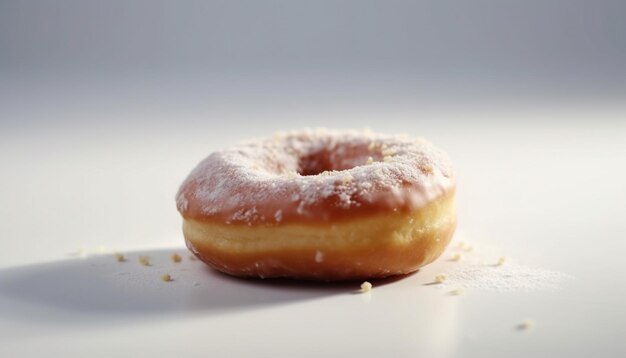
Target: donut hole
[(315, 163), (336, 159)]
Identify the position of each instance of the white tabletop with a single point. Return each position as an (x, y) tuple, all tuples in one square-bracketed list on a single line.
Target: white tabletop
[(543, 188)]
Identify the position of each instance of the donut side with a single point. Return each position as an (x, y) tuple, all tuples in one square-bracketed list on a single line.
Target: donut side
[(373, 246)]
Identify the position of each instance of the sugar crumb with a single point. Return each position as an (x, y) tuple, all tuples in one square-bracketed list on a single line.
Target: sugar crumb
[(465, 246), (426, 168), (366, 287), (279, 215), (176, 258), (441, 278), (370, 160), (525, 325), (457, 292), (145, 260), (119, 257), (487, 269), (166, 277), (389, 152), (456, 257)]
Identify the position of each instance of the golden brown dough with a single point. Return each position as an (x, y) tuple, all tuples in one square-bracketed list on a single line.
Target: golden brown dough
[(320, 205)]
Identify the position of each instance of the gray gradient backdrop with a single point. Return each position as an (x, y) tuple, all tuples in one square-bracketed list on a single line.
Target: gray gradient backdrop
[(292, 63)]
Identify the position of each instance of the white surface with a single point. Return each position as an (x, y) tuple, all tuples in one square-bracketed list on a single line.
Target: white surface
[(547, 194)]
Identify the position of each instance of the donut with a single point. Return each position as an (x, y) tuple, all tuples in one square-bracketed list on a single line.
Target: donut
[(320, 205)]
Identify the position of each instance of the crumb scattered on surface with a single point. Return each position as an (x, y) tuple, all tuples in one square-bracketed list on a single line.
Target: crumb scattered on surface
[(120, 257), (370, 160), (525, 325), (456, 257), (465, 246), (166, 277), (481, 270), (457, 292), (176, 258), (441, 278), (366, 287), (145, 260)]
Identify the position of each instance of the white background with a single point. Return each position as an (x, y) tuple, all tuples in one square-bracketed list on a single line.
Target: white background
[(547, 196)]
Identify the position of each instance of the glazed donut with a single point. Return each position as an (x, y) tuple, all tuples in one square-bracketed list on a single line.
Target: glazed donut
[(320, 205)]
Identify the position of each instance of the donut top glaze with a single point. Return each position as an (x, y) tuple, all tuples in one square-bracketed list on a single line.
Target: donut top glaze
[(315, 176)]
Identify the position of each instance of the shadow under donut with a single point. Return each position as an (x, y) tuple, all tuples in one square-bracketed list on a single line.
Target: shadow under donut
[(100, 289)]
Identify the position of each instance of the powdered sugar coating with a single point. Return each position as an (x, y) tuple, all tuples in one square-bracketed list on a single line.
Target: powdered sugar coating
[(315, 176)]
